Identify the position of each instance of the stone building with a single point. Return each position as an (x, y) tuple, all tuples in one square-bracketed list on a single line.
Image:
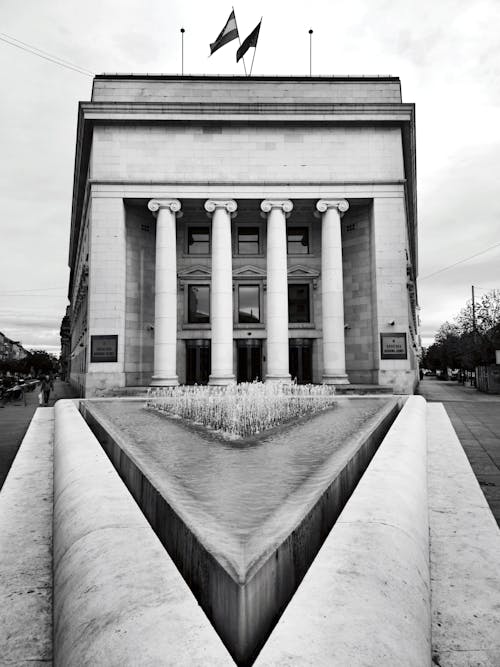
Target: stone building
[(11, 350), (232, 228)]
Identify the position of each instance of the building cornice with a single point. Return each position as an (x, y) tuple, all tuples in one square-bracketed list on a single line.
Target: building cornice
[(255, 78), (261, 112)]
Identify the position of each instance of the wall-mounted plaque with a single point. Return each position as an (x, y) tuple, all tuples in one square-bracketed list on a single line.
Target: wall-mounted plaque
[(393, 346), (103, 349)]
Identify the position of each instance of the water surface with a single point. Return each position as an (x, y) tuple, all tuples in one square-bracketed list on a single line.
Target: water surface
[(241, 498)]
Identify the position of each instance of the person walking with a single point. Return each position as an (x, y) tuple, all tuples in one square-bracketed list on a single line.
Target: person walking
[(46, 387)]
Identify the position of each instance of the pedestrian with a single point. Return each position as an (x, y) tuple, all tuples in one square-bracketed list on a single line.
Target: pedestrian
[(46, 387)]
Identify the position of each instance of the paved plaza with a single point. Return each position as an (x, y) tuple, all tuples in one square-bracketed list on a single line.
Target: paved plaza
[(476, 419)]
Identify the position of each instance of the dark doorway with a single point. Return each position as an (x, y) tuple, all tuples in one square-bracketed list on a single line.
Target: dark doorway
[(300, 360), (249, 360), (197, 361)]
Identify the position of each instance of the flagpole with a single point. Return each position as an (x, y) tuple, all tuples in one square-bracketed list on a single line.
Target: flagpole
[(251, 67), (182, 51), (239, 40), (310, 51)]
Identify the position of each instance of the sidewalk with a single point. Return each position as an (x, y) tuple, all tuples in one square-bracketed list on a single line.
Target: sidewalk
[(476, 419), (14, 421)]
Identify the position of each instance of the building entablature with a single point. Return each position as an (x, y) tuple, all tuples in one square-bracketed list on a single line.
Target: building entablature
[(277, 112), (264, 101)]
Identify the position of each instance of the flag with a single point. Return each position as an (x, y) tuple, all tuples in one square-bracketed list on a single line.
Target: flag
[(251, 40), (228, 33)]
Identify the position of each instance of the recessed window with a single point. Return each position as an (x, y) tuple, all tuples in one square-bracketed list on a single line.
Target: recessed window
[(198, 304), (199, 240), (248, 240), (297, 239), (298, 303), (248, 304)]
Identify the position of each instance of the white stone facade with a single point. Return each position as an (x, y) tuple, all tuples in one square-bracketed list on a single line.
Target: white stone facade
[(226, 228)]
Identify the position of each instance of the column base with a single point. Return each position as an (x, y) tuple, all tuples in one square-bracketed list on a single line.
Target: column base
[(286, 378), (159, 381), (340, 378), (221, 380)]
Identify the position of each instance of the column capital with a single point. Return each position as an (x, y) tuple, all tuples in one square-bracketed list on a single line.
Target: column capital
[(173, 205), (284, 204), (341, 205), (228, 204)]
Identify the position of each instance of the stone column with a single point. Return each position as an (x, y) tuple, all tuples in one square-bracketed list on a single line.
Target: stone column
[(332, 290), (165, 347), (277, 290), (221, 291)]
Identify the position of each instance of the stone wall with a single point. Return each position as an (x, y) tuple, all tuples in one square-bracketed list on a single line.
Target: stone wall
[(220, 90), (358, 307), (140, 290), (242, 154), (389, 260), (107, 271)]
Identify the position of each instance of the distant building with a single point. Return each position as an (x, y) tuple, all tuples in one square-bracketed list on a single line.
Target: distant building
[(65, 334), (232, 228), (11, 350)]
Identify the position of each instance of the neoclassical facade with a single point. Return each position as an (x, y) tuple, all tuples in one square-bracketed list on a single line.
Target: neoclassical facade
[(228, 228)]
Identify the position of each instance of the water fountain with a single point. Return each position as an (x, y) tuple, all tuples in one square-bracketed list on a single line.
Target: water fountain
[(242, 519)]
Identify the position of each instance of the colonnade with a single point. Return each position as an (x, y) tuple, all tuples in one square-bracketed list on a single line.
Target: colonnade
[(221, 294)]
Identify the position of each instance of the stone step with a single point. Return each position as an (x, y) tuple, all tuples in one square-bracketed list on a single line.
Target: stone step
[(362, 389), (343, 389)]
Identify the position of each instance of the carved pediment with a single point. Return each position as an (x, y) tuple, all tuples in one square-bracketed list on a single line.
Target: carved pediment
[(198, 271), (300, 271), (249, 272)]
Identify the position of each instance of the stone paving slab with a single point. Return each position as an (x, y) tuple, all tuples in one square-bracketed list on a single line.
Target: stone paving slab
[(26, 549), (118, 598), (14, 421), (476, 420), (464, 548)]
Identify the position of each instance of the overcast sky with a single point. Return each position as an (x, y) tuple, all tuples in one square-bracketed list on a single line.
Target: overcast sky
[(445, 52)]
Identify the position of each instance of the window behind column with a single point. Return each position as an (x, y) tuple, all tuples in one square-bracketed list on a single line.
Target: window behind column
[(298, 303), (198, 304), (198, 240), (248, 241), (297, 240)]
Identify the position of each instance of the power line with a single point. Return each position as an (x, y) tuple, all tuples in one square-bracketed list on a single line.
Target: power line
[(460, 261), (29, 48), (28, 291)]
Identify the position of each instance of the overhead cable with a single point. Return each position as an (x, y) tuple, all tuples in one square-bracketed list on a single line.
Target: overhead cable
[(29, 48), (460, 261)]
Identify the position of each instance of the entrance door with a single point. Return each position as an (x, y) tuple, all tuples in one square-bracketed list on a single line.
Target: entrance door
[(300, 360), (249, 360), (197, 361)]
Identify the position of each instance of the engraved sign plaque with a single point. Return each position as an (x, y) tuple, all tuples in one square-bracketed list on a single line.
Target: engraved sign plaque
[(103, 349)]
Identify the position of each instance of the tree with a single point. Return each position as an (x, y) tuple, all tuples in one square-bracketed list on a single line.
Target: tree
[(479, 329), (37, 362), (471, 339), (446, 351)]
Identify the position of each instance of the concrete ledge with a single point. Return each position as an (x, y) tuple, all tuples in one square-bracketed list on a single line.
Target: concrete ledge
[(366, 597), (26, 548), (118, 598), (465, 554)]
